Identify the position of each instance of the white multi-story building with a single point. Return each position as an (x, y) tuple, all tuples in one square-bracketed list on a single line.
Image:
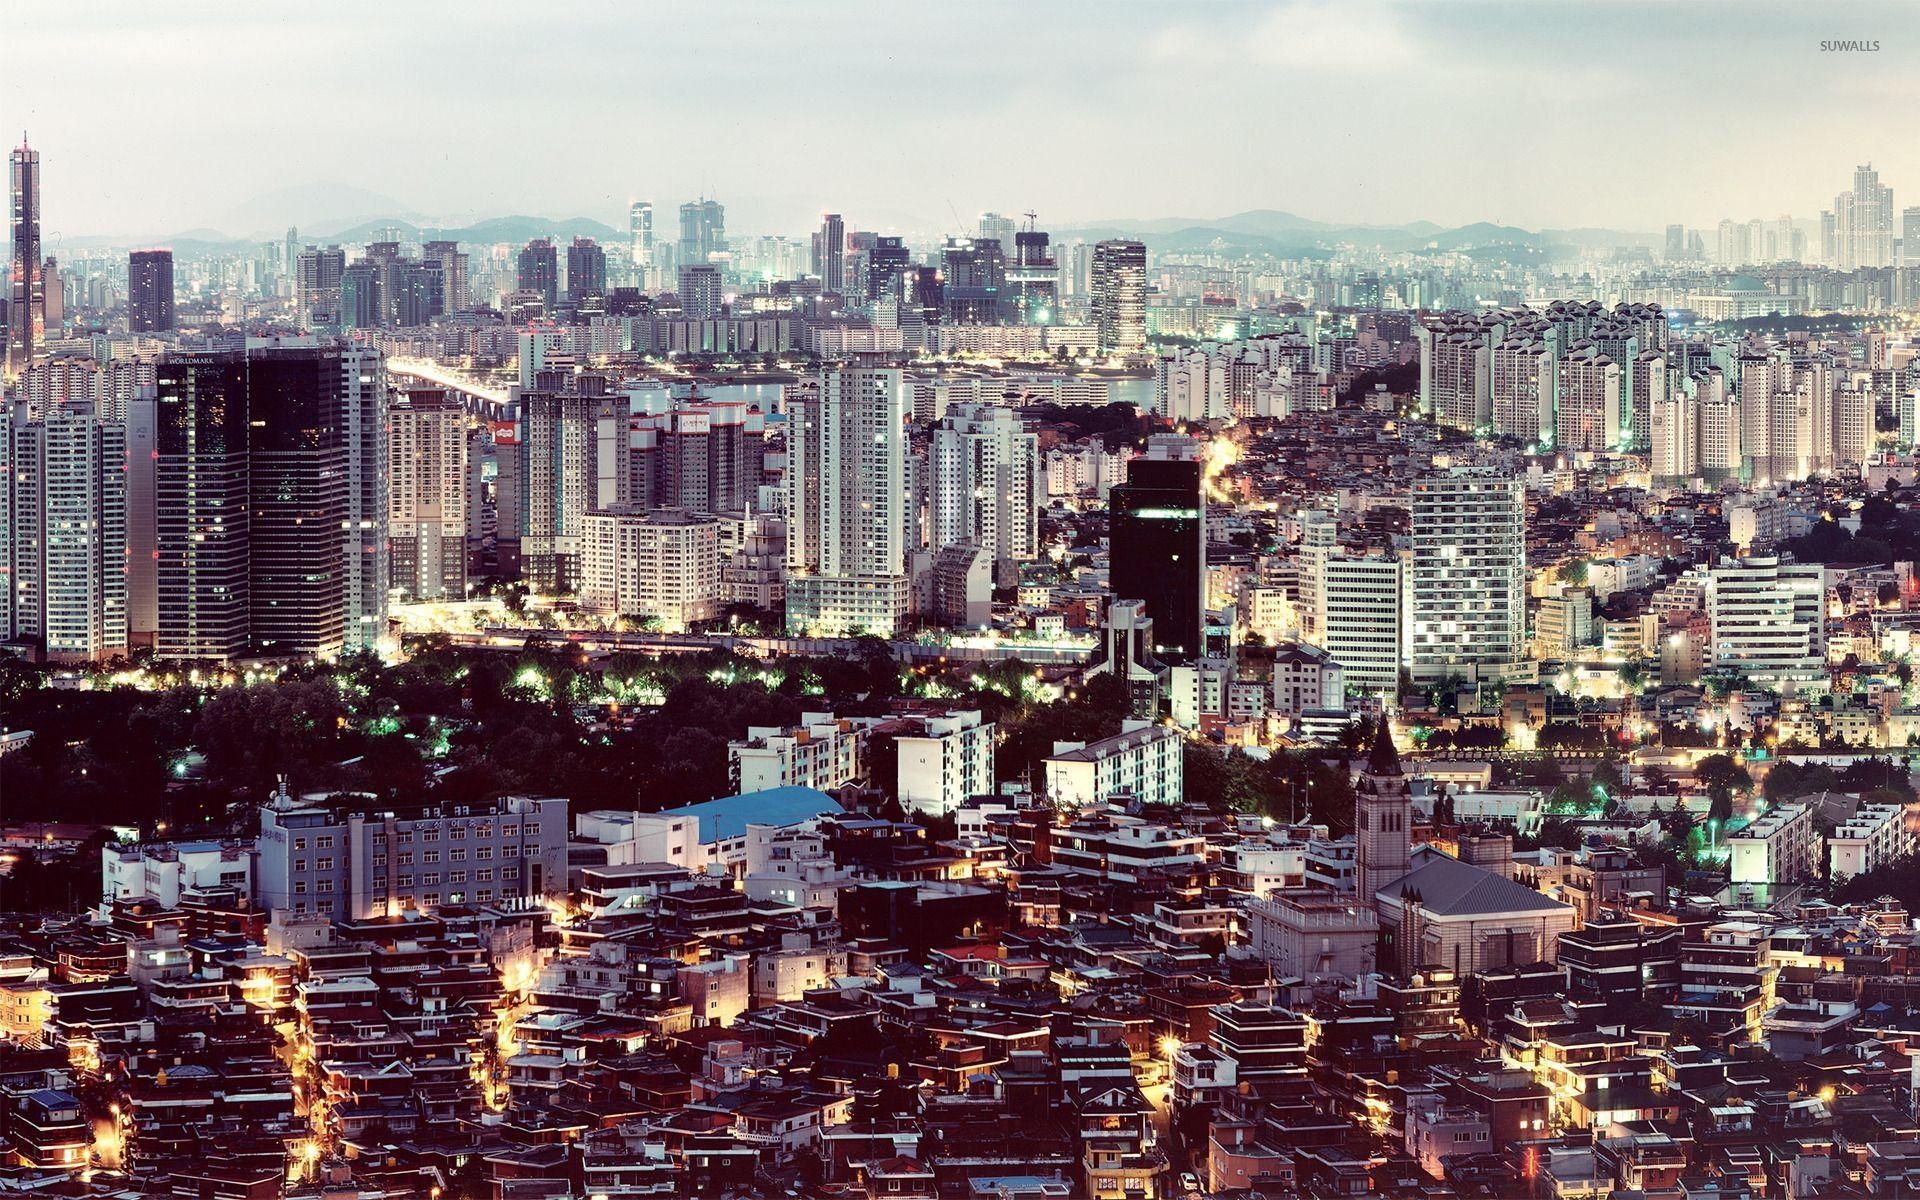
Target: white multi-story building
[(1875, 835), (661, 563), (428, 444), (949, 760), (1779, 848), (1523, 389), (63, 533), (1768, 619), (821, 752), (1467, 580), (166, 871), (847, 503), (1588, 419), (986, 482), (1143, 761), (1360, 608)]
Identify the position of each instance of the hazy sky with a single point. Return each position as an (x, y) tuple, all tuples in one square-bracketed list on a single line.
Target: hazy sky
[(154, 118)]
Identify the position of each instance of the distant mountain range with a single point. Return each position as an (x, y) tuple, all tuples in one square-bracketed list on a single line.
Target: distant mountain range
[(328, 212), (1285, 233)]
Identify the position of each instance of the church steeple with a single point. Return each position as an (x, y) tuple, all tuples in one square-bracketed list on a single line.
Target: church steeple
[(1382, 819)]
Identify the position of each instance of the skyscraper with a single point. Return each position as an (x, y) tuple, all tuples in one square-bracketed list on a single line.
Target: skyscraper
[(26, 311), (199, 507), (562, 468), (150, 291), (453, 273), (830, 253), (429, 457), (63, 532), (540, 271), (1859, 230), (586, 270), (847, 502), (1120, 297), (640, 230), (700, 291), (316, 288), (297, 504), (1157, 530), (703, 230), (887, 266), (1467, 602)]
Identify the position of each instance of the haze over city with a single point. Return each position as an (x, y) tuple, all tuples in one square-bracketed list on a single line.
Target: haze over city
[(1626, 116)]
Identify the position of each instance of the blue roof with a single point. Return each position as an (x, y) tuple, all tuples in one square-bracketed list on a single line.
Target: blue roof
[(729, 816)]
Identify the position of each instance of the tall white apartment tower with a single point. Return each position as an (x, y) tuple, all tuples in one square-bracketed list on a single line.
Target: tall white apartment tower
[(1468, 576), (847, 503), (429, 451), (63, 532), (986, 482)]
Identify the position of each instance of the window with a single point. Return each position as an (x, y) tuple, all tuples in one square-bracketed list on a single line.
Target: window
[(323, 864), (299, 843), (405, 837), (403, 881), (483, 851), (509, 831), (484, 875), (325, 843), (509, 872), (430, 878), (326, 885), (430, 835), (430, 856), (379, 860), (456, 877), (457, 855), (509, 852), (299, 887), (299, 864), (406, 858)]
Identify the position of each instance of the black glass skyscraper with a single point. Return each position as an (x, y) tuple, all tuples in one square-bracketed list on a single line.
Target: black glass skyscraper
[(199, 506), (586, 270), (296, 499), (1158, 536), (540, 270), (150, 291)]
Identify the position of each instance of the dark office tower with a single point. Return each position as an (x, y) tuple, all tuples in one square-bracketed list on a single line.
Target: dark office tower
[(296, 500), (150, 291), (926, 294), (418, 292), (359, 306), (700, 291), (27, 310), (703, 230), (453, 274), (976, 271), (316, 286), (540, 270), (1033, 281), (1120, 296), (886, 267), (830, 253), (586, 270), (200, 505), (1157, 524)]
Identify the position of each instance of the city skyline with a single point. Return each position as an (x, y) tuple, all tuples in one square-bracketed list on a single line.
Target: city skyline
[(1359, 83)]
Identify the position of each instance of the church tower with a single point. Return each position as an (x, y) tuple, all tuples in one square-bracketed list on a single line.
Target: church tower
[(1382, 819)]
